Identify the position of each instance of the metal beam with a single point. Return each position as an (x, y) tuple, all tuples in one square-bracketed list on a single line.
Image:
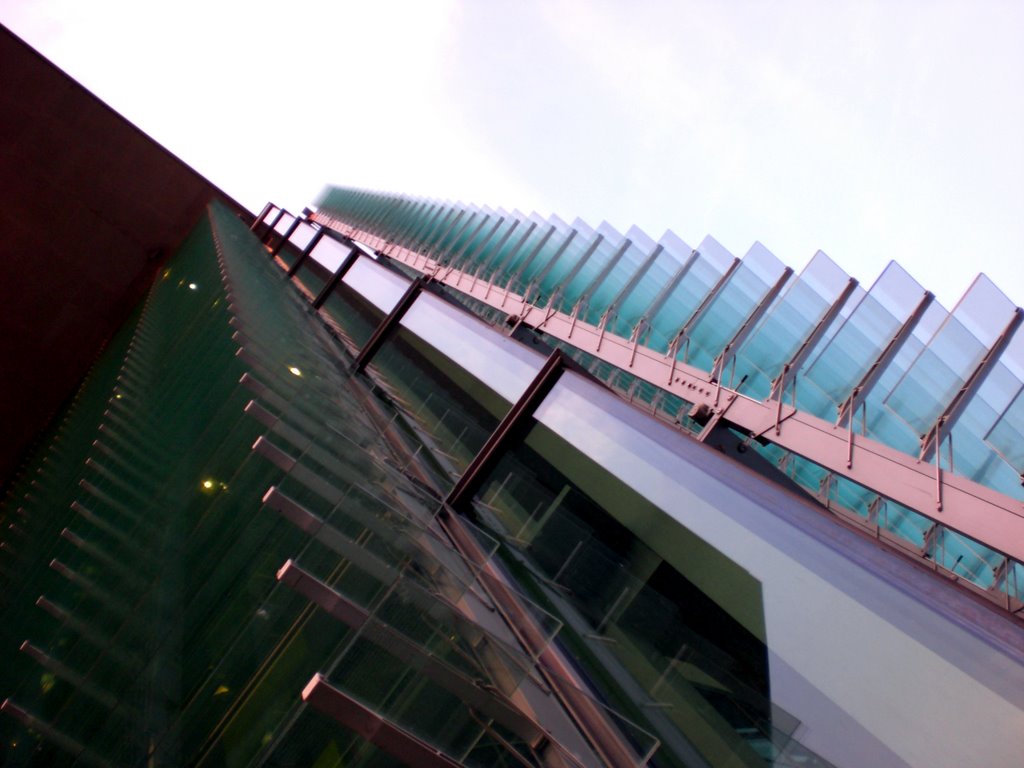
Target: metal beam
[(375, 728), (421, 216), (387, 209), (497, 247), (472, 236), (593, 721), (790, 369), (259, 219), (945, 423), (74, 678), (332, 282), (285, 237), (446, 256), (644, 323), (487, 238), (860, 392), (488, 701), (388, 324), (507, 430), (435, 247), (584, 299), (728, 352), (515, 248), (698, 313), (613, 305), (313, 241), (524, 265), (77, 752), (556, 295), (273, 223)]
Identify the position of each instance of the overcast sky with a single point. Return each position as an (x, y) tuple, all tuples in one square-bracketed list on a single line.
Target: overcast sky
[(871, 131)]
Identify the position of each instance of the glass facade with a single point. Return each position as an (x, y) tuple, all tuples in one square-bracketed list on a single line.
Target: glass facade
[(308, 510)]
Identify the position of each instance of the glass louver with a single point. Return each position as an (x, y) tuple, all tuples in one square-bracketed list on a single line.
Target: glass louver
[(853, 365)]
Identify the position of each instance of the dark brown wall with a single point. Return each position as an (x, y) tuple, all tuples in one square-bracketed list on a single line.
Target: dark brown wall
[(89, 208)]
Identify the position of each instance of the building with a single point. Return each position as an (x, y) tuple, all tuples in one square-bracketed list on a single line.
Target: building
[(404, 482)]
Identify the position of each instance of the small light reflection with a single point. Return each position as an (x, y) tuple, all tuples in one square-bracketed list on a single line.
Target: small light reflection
[(212, 485), (192, 286), (294, 371)]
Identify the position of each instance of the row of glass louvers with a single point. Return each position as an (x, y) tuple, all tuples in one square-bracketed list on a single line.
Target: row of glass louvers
[(816, 337)]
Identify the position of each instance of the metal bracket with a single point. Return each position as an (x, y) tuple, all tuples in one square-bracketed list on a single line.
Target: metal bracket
[(933, 439), (462, 492), (259, 219), (860, 391), (790, 369), (728, 353), (285, 237), (313, 241), (335, 279), (388, 324), (273, 223)]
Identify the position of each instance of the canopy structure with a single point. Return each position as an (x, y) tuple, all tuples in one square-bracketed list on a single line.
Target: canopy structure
[(902, 414)]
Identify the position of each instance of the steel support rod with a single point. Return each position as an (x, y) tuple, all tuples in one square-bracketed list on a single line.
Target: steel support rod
[(335, 279), (470, 239), (945, 423), (446, 219), (644, 323), (313, 242), (556, 295), (375, 728), (286, 236), (259, 219), (478, 272), (584, 300), (483, 243), (273, 223), (496, 248), (860, 392), (790, 369), (446, 253), (528, 291), (405, 649), (418, 220), (728, 352), (613, 305), (506, 431), (698, 313), (388, 324)]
